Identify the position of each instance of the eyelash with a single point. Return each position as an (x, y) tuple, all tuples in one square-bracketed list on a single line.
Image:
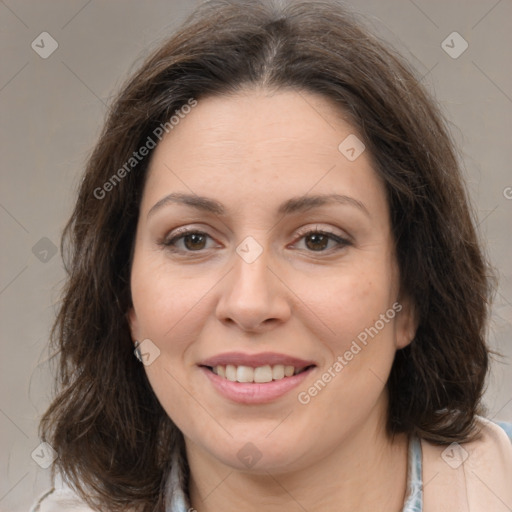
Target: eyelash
[(341, 242), (170, 243)]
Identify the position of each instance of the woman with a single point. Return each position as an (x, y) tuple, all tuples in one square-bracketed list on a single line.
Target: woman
[(276, 298)]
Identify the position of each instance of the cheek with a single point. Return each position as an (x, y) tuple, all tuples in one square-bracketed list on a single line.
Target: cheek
[(167, 303), (170, 312), (355, 314), (346, 304)]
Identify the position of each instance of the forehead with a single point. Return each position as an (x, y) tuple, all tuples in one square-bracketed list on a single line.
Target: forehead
[(279, 144)]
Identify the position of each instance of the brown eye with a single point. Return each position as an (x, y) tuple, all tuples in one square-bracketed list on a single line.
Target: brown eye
[(322, 241), (317, 242), (194, 241), (187, 241)]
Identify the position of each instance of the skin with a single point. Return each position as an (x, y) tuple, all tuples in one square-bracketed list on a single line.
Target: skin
[(251, 152)]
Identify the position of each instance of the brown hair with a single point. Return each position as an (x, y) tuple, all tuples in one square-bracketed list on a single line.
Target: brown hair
[(112, 435)]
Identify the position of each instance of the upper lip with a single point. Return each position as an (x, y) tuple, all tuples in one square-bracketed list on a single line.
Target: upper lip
[(255, 360)]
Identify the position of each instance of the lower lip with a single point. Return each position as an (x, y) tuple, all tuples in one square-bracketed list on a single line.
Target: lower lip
[(255, 393)]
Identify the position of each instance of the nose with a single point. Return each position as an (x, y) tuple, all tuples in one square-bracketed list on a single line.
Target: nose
[(254, 296)]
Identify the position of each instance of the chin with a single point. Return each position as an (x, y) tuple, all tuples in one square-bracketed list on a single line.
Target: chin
[(260, 453)]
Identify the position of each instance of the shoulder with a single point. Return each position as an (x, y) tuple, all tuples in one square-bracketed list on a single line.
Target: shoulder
[(60, 499), (476, 475)]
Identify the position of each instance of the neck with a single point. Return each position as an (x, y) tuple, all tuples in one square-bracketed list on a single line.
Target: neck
[(366, 472)]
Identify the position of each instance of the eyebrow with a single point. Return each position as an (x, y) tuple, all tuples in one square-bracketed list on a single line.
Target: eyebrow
[(292, 205), (198, 202), (303, 203)]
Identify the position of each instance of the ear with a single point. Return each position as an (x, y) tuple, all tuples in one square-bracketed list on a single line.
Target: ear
[(133, 322), (406, 322)]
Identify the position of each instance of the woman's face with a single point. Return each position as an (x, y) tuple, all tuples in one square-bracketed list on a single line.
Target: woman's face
[(264, 282)]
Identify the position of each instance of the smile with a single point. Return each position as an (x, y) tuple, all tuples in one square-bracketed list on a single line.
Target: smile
[(255, 378), (260, 374)]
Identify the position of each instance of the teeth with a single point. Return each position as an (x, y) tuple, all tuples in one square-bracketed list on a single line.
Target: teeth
[(230, 372), (263, 374), (278, 371), (244, 374), (259, 374)]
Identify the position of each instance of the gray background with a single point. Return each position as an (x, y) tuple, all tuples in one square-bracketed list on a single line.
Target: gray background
[(52, 110)]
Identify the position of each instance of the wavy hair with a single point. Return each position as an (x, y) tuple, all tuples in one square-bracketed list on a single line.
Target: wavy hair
[(112, 435)]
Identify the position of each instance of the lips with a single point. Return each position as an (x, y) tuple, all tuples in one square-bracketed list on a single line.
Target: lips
[(255, 378), (255, 360)]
